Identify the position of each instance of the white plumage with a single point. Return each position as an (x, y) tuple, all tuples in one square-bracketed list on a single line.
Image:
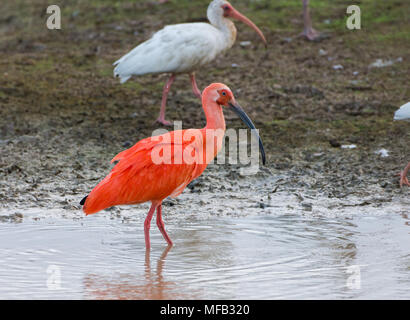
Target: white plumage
[(183, 48), (403, 113), (180, 48)]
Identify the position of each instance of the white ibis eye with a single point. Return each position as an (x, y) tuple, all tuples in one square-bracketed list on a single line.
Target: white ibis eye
[(226, 8)]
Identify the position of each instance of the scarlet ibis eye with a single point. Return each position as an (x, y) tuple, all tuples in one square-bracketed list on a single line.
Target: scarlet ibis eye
[(223, 93)]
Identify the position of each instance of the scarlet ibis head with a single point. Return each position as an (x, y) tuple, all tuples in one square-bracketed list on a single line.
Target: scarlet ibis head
[(228, 11), (224, 97)]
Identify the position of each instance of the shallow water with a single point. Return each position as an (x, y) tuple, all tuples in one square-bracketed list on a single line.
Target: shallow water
[(262, 256)]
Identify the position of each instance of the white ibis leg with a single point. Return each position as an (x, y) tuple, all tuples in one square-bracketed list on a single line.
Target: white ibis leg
[(167, 87), (403, 176), (195, 89), (308, 30)]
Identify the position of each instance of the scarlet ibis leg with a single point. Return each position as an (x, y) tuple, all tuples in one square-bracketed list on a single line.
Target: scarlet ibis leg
[(167, 87), (195, 89), (161, 225), (403, 176), (308, 30), (147, 224)]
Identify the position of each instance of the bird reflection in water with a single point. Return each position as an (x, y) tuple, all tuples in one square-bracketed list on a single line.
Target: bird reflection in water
[(152, 286)]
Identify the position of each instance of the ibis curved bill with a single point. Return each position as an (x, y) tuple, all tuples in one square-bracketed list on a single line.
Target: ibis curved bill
[(184, 48), (162, 166), (403, 114)]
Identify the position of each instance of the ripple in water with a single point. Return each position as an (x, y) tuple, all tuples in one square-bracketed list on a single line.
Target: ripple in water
[(254, 257)]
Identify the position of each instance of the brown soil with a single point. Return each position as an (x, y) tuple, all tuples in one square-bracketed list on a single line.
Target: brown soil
[(63, 116)]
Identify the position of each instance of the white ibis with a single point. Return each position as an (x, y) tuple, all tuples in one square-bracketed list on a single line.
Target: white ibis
[(184, 48), (308, 31), (403, 114)]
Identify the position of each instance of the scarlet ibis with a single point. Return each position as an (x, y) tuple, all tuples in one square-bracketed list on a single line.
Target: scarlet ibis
[(308, 31), (139, 177), (402, 114), (184, 48)]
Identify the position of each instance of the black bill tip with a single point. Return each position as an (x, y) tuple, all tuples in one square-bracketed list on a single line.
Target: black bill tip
[(244, 117)]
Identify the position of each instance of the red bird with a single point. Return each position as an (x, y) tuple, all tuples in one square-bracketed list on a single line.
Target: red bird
[(403, 176), (403, 114), (162, 166)]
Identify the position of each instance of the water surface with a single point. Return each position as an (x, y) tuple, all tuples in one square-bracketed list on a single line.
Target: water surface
[(262, 256)]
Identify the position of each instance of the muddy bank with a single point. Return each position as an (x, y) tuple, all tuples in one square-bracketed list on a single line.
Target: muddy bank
[(63, 116)]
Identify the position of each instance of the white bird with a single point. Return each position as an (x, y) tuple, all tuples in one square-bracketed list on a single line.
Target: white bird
[(184, 48), (402, 114)]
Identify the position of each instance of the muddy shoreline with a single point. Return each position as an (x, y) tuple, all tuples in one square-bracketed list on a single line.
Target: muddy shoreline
[(63, 116)]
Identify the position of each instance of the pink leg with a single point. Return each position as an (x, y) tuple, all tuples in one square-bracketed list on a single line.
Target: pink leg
[(167, 87), (147, 224), (161, 225), (195, 89), (403, 176), (308, 30)]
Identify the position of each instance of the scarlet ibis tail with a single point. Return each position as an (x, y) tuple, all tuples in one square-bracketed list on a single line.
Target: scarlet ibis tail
[(83, 201)]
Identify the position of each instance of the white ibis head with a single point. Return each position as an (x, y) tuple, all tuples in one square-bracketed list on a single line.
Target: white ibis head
[(222, 8)]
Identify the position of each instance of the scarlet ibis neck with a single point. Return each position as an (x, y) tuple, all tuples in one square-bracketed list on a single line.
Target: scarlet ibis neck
[(213, 113)]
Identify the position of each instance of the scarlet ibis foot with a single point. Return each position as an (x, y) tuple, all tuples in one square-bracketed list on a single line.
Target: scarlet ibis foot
[(147, 224), (161, 225), (167, 87), (403, 176)]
